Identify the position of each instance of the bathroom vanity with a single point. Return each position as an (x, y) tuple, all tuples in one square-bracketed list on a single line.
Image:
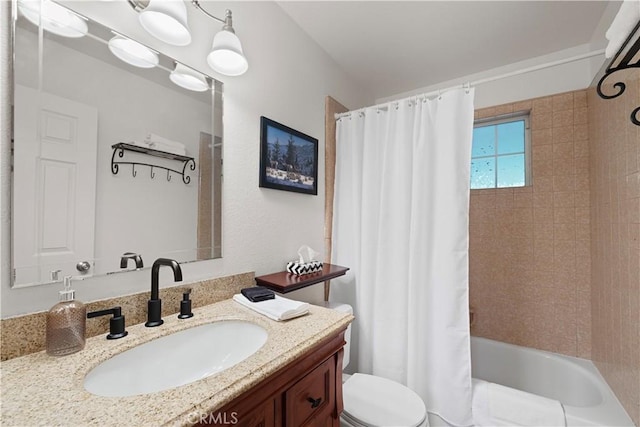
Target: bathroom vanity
[(294, 379), (307, 392)]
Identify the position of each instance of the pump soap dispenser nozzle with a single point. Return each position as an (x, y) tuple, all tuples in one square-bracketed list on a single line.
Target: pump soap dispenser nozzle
[(66, 323)]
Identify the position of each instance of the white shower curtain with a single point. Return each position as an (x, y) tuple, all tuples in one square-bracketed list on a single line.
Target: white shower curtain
[(400, 222)]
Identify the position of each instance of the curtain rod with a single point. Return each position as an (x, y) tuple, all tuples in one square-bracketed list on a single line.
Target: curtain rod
[(481, 81)]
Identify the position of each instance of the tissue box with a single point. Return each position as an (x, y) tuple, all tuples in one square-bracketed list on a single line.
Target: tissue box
[(300, 269)]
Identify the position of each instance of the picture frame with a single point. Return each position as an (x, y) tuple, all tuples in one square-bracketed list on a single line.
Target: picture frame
[(288, 158)]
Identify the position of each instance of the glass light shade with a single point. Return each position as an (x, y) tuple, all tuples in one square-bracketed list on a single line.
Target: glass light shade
[(55, 18), (226, 55), (166, 20), (188, 78), (132, 52)]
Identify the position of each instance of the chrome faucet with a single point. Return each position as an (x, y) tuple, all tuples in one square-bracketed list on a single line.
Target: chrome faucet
[(154, 305)]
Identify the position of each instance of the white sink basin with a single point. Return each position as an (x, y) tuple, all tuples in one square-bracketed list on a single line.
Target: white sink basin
[(177, 359)]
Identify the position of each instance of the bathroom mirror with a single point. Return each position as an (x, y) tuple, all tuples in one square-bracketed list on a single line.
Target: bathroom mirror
[(81, 204)]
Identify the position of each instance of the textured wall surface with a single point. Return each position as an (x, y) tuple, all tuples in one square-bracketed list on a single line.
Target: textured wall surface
[(530, 246), (615, 232)]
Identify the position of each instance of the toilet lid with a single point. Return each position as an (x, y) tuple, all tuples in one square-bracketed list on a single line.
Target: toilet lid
[(376, 401)]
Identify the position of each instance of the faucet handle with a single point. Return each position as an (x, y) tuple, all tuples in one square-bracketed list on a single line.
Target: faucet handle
[(116, 323), (55, 275), (185, 306)]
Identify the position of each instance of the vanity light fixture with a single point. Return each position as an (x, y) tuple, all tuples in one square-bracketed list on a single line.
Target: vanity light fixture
[(166, 20), (132, 52), (54, 18), (226, 55), (188, 78)]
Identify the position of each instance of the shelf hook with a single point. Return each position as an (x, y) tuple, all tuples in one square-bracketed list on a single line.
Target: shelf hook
[(168, 175), (153, 175), (133, 170)]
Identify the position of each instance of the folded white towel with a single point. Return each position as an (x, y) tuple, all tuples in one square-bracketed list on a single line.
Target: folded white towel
[(625, 20), (157, 139), (497, 405), (277, 309), (168, 148), (141, 144)]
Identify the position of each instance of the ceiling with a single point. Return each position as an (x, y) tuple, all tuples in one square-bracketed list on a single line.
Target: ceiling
[(392, 47)]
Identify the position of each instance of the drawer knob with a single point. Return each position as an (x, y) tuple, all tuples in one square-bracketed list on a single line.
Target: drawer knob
[(314, 402)]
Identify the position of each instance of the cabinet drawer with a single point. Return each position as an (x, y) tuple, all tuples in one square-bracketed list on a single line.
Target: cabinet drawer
[(311, 401)]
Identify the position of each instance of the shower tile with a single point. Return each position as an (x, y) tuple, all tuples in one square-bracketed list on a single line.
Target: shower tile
[(565, 231), (564, 183), (541, 137), (542, 105), (503, 109), (582, 165), (485, 112), (580, 99), (504, 199), (562, 118), (583, 215), (562, 134), (580, 148), (523, 215), (582, 199), (562, 166), (563, 215), (583, 232), (543, 214), (522, 106), (542, 200), (543, 230), (562, 102), (563, 199), (543, 254), (542, 183), (541, 168), (580, 116), (580, 132), (563, 151), (541, 121)]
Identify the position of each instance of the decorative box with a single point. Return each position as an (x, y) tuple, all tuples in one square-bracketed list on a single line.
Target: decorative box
[(300, 269)]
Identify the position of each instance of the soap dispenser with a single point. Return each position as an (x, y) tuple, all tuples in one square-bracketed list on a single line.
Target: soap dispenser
[(66, 323)]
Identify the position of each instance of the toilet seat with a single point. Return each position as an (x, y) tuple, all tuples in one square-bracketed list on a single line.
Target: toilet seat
[(377, 402)]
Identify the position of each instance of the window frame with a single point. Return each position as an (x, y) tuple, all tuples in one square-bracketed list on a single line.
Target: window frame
[(501, 119)]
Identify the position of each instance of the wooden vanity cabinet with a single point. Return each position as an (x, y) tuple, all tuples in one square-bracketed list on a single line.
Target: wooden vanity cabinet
[(305, 393)]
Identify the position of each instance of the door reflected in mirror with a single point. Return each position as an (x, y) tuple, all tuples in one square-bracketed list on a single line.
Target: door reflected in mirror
[(83, 205)]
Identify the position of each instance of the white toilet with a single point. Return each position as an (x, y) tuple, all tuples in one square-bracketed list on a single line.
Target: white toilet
[(371, 401)]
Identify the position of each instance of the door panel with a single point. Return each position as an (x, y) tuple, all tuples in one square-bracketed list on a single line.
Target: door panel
[(55, 184)]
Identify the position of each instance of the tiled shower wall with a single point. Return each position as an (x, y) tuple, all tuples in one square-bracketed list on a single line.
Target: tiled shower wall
[(615, 212), (529, 248)]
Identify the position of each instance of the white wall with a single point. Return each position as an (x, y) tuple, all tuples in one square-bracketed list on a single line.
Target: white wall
[(288, 79), (557, 79), (567, 77)]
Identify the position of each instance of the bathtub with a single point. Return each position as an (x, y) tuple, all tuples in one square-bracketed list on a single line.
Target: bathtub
[(576, 383)]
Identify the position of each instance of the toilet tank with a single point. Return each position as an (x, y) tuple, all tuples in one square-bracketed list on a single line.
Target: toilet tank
[(343, 308)]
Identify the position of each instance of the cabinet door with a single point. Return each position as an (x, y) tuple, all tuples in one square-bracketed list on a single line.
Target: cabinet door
[(261, 416), (311, 401)]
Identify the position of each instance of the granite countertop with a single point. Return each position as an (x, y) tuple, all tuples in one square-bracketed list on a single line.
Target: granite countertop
[(39, 389)]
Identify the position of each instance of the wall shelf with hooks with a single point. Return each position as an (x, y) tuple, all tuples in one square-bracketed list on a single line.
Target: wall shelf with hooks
[(625, 59), (120, 148)]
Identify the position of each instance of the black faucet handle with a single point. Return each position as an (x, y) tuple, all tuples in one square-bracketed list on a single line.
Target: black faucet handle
[(185, 306), (124, 260), (116, 323)]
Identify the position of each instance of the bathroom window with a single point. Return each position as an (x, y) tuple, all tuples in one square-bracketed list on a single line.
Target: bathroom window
[(500, 152)]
